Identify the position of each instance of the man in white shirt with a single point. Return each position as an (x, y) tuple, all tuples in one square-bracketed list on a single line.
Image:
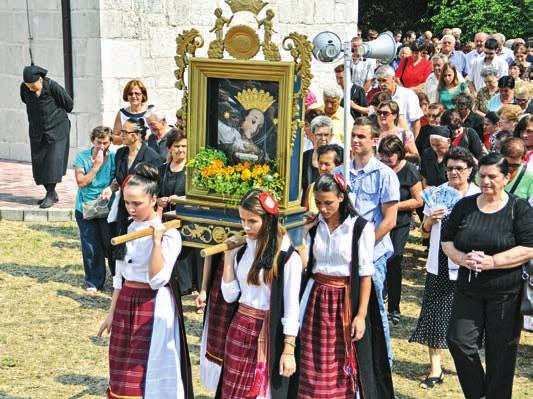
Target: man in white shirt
[(406, 98), (479, 40), (490, 58), (362, 69), (432, 82), (503, 52)]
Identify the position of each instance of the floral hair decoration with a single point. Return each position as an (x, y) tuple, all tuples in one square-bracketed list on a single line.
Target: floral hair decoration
[(268, 203), (340, 182)]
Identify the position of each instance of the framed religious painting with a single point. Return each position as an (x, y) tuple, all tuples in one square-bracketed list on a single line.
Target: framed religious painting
[(239, 129)]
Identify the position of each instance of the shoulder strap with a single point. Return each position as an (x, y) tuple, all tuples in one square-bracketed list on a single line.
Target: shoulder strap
[(240, 253), (406, 59), (518, 179), (358, 227)]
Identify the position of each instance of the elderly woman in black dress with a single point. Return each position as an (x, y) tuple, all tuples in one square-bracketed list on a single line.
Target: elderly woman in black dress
[(47, 106), (489, 235), (436, 308)]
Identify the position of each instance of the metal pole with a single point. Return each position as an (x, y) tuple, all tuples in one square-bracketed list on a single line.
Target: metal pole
[(30, 36), (347, 49)]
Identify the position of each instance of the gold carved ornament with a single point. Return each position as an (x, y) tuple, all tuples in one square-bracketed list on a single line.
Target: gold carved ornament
[(208, 234), (241, 42), (253, 6), (186, 45), (300, 49), (255, 99)]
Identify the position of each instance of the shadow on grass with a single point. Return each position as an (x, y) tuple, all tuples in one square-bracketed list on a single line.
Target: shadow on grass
[(67, 245), (87, 302), (94, 386), (5, 395), (63, 231), (45, 274)]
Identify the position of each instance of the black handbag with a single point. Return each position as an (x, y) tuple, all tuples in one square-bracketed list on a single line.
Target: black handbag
[(526, 304)]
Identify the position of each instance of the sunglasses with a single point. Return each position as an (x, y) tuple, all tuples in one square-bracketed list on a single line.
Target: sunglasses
[(135, 93), (384, 113), (124, 132)]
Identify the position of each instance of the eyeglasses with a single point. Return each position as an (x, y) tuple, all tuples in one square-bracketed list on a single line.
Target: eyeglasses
[(433, 116), (384, 113), (457, 168), (135, 93), (521, 100), (125, 132)]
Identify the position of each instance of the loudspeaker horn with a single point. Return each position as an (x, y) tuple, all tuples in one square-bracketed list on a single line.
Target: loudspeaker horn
[(383, 48)]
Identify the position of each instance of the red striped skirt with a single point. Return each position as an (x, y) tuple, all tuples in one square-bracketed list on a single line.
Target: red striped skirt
[(240, 356), (323, 350), (220, 314), (129, 343)]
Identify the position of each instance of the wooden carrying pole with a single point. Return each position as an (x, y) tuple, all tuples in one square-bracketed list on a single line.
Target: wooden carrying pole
[(216, 249), (173, 224)]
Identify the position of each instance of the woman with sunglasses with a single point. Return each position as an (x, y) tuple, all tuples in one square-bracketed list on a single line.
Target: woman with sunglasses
[(388, 117), (134, 151), (435, 312), (136, 95)]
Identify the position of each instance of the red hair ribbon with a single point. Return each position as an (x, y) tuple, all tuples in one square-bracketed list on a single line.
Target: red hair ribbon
[(269, 203), (340, 182), (126, 180)]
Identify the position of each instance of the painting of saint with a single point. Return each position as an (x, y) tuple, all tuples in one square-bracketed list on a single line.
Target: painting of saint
[(242, 119)]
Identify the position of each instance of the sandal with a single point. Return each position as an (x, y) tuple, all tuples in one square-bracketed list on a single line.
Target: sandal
[(429, 382)]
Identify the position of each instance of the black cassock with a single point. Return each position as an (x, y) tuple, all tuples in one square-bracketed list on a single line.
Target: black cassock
[(49, 130)]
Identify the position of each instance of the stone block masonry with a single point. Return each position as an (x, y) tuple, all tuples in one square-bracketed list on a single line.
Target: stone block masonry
[(118, 40)]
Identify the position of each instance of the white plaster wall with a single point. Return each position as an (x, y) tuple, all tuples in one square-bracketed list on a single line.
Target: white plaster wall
[(47, 46), (118, 40), (138, 40)]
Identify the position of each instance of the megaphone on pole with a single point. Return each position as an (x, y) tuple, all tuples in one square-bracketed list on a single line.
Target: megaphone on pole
[(383, 48)]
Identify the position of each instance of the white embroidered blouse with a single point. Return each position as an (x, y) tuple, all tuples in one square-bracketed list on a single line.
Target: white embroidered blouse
[(332, 251), (135, 265), (259, 296)]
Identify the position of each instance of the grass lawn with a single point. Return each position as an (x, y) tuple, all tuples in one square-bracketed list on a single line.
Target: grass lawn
[(48, 347)]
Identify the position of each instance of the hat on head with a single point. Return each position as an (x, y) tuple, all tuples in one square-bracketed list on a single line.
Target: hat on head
[(32, 73), (440, 131)]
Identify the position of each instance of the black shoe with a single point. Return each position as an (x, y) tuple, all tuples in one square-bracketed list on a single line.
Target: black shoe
[(54, 196), (430, 382), (49, 200)]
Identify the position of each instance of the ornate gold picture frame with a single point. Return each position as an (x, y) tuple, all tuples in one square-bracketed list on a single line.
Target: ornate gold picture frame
[(243, 108)]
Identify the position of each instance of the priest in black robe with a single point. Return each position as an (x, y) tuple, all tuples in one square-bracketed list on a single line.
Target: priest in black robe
[(47, 106)]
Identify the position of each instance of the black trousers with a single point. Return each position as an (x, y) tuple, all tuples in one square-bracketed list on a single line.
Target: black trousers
[(498, 317), (399, 236)]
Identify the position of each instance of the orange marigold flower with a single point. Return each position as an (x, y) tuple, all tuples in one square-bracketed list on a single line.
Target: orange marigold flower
[(247, 165), (239, 167), (246, 175)]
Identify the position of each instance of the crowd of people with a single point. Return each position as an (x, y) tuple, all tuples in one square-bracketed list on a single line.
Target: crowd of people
[(445, 116)]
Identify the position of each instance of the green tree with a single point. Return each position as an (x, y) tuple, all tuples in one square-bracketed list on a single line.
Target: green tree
[(506, 16)]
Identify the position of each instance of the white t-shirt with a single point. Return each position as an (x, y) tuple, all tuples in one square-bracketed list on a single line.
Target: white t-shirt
[(409, 105), (479, 63)]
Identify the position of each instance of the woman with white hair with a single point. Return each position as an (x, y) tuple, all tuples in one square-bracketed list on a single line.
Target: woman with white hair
[(322, 131), (332, 96), (489, 74)]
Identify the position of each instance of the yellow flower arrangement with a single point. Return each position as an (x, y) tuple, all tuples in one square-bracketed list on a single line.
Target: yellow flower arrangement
[(211, 172)]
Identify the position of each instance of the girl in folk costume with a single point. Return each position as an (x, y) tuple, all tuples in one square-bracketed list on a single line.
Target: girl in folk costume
[(148, 354), (341, 351), (264, 278)]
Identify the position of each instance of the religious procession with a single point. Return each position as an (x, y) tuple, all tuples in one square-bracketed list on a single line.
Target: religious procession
[(262, 235)]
